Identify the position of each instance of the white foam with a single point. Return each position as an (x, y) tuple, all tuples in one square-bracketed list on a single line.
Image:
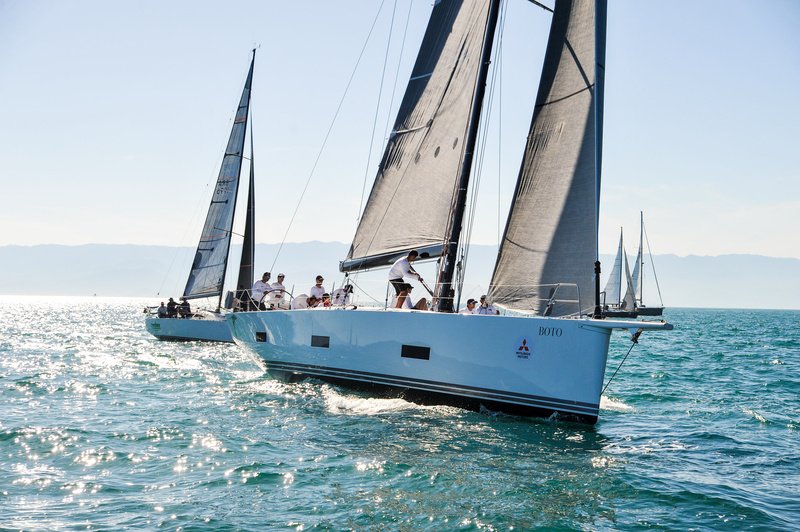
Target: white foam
[(615, 405)]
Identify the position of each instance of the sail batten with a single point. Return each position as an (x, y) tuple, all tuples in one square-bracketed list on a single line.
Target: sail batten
[(550, 240), (207, 275), (412, 196)]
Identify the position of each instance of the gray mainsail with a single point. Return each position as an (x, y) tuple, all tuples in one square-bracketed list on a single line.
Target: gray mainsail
[(551, 232), (413, 193), (207, 275)]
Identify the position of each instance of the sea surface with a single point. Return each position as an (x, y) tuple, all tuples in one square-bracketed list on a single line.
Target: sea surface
[(102, 427)]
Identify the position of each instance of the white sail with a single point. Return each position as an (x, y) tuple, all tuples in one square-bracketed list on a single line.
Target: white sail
[(613, 288), (629, 301)]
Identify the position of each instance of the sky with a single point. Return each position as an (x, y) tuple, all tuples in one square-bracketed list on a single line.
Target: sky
[(114, 117)]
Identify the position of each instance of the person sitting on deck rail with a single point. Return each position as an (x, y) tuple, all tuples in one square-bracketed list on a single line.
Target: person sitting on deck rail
[(400, 269)]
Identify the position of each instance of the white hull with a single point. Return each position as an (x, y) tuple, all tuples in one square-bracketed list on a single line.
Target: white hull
[(209, 326), (465, 360)]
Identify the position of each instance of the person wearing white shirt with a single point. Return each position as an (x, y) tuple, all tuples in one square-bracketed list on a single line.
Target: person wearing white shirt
[(400, 269), (260, 288), (470, 309), (486, 308), (278, 291), (317, 290)]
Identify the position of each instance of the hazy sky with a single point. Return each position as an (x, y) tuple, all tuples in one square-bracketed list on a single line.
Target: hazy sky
[(114, 116)]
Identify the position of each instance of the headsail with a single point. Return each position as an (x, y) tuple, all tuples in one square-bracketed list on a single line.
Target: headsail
[(411, 200), (551, 233), (208, 268), (245, 279)]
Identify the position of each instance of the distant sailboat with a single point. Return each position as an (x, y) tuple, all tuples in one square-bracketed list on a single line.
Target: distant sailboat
[(521, 362), (638, 277), (615, 305), (209, 268)]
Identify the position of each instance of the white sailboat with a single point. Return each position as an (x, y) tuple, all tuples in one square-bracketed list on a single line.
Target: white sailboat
[(638, 278), (615, 304), (544, 355), (208, 272)]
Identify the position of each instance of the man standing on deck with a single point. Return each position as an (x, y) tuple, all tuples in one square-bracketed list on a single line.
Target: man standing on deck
[(402, 268), (260, 288)]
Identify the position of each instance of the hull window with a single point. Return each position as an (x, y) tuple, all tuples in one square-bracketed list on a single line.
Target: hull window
[(415, 351), (320, 341), (261, 337)]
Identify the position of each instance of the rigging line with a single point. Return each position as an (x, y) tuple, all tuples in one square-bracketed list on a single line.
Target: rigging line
[(481, 156), (652, 265), (191, 221), (328, 134), (397, 71), (634, 341), (377, 109)]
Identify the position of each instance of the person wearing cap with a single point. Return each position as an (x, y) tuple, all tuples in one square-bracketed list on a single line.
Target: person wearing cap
[(400, 269), (470, 309), (317, 290), (422, 304), (260, 288), (277, 291), (486, 309)]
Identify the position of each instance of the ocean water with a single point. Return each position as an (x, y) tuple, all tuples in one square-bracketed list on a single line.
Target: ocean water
[(102, 427)]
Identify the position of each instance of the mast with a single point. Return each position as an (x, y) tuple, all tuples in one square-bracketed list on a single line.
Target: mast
[(641, 259), (447, 268), (599, 52)]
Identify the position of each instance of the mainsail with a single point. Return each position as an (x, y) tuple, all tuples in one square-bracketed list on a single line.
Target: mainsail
[(551, 232), (412, 197), (210, 261)]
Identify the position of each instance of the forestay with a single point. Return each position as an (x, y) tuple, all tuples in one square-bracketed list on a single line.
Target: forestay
[(208, 268), (551, 233), (412, 196)]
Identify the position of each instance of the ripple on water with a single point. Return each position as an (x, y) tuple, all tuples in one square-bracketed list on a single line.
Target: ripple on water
[(105, 426)]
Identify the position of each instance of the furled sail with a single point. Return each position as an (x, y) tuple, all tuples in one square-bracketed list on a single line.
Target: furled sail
[(411, 200), (551, 232), (208, 268)]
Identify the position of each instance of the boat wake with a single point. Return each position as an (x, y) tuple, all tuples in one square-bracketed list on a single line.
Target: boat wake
[(614, 405), (338, 403)]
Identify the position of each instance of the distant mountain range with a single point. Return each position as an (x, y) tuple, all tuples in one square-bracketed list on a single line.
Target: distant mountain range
[(726, 281)]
